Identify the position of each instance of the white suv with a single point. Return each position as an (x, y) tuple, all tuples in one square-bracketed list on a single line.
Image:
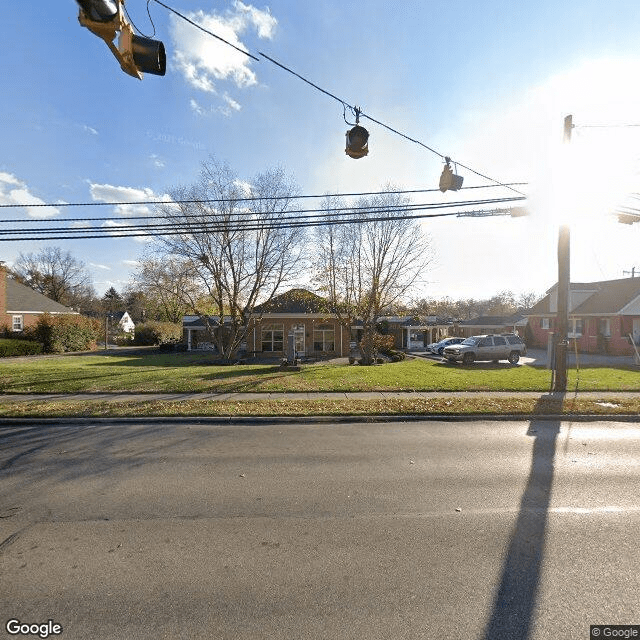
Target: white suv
[(487, 348)]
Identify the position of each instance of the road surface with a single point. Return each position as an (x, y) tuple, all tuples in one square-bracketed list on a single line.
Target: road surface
[(476, 530)]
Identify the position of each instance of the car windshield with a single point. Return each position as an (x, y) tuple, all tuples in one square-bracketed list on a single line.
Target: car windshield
[(471, 341)]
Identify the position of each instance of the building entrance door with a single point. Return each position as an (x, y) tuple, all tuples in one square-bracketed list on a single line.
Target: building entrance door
[(636, 330), (298, 333)]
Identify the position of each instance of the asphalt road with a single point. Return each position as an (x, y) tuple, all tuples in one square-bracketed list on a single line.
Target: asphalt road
[(481, 530)]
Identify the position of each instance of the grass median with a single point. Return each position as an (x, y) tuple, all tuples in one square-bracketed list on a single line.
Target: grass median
[(518, 406)]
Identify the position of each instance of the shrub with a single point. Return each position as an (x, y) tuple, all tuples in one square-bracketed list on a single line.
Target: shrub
[(59, 334), (155, 333), (10, 347)]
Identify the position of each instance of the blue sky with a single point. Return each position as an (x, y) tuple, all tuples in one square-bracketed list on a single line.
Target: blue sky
[(485, 82)]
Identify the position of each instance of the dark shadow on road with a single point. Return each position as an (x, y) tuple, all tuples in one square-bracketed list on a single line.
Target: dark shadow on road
[(515, 600)]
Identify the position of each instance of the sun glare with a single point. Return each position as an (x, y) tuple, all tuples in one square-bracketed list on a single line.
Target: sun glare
[(592, 175)]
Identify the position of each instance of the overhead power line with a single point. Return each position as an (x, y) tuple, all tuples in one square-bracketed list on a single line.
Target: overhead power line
[(251, 216), (178, 226), (60, 205)]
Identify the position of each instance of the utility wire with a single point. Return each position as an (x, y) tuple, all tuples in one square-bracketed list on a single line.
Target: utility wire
[(228, 200), (362, 114), (210, 33), (197, 229), (344, 103), (250, 218)]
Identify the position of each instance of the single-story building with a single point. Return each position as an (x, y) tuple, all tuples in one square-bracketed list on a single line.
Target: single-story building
[(21, 306), (604, 317), (414, 333), (316, 331)]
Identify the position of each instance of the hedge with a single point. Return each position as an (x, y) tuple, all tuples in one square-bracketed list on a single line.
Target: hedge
[(63, 333), (10, 347), (156, 333)]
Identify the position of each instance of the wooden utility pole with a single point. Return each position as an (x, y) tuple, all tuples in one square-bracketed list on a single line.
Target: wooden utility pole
[(562, 311)]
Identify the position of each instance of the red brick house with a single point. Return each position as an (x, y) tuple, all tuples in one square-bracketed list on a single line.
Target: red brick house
[(21, 306), (604, 317)]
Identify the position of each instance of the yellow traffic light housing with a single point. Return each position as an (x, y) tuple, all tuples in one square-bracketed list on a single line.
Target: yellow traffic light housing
[(357, 142), (136, 55), (449, 181), (628, 218)]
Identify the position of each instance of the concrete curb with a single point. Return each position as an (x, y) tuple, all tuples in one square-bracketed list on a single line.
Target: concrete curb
[(284, 420)]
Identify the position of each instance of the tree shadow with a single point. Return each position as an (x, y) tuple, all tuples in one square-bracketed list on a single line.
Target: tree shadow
[(516, 597)]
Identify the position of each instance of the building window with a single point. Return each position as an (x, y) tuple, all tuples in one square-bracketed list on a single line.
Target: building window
[(18, 323), (545, 323), (273, 337), (604, 327), (577, 326), (324, 338)]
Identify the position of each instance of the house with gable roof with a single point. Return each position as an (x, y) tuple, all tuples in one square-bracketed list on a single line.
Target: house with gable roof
[(21, 306), (604, 317)]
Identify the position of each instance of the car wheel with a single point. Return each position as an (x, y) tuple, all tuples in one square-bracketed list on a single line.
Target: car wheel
[(468, 358), (451, 360), (514, 356)]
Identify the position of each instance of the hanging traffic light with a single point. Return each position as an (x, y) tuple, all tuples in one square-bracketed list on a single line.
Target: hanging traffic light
[(628, 218), (449, 181), (136, 55), (357, 139)]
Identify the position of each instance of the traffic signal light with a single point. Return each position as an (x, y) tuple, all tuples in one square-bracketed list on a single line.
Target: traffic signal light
[(628, 218), (136, 55), (449, 181), (357, 142)]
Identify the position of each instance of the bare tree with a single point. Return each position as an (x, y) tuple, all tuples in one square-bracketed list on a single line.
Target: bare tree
[(169, 285), (238, 241), (57, 275), (368, 259)]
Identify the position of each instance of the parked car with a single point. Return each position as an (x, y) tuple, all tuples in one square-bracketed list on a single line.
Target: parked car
[(487, 348), (438, 347)]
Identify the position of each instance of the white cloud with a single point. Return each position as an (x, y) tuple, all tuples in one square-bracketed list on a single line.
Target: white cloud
[(204, 60), (89, 129), (114, 194), (158, 162), (231, 102), (100, 266), (196, 107), (229, 106), (263, 21), (14, 191), (131, 263)]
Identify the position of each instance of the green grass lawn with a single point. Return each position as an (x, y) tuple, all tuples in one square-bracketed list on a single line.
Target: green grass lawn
[(188, 372)]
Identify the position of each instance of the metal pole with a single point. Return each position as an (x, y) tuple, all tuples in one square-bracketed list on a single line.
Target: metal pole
[(562, 312)]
